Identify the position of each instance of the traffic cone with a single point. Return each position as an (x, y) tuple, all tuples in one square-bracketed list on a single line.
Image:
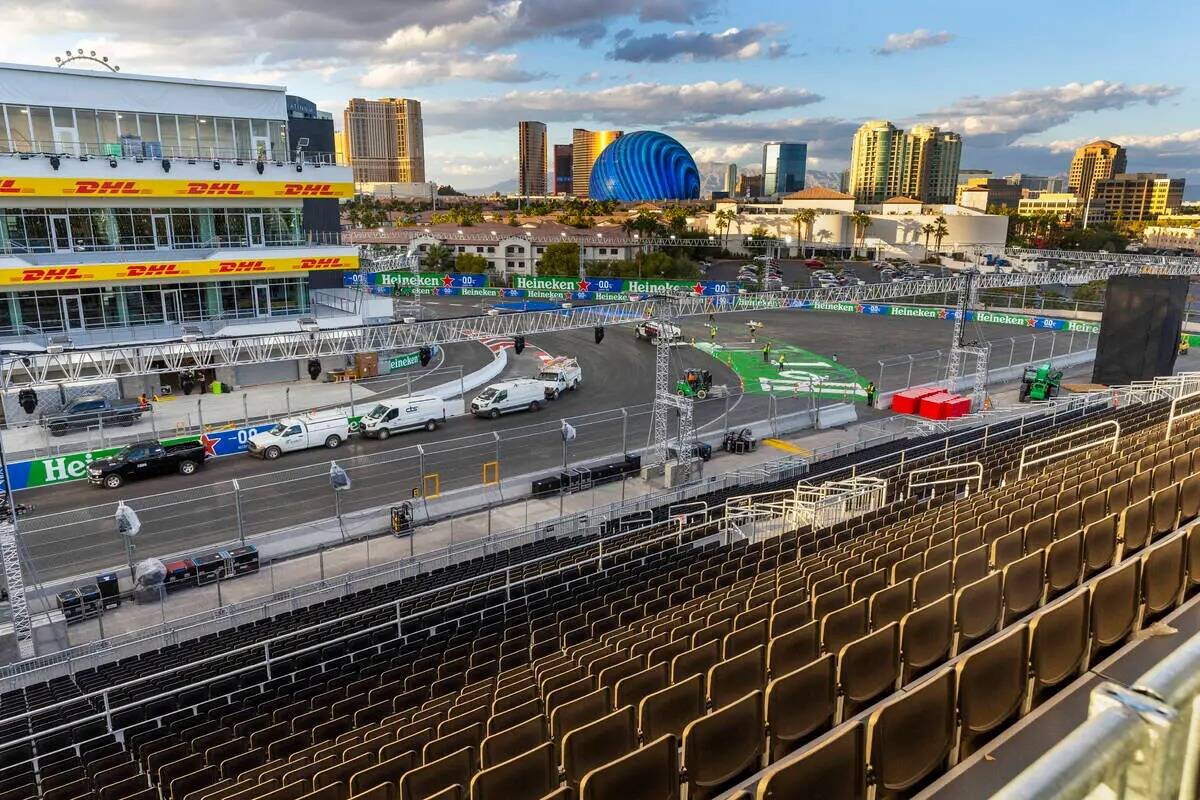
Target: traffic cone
[(729, 359)]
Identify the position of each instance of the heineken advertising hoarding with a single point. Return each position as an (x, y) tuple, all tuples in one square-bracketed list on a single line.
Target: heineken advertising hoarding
[(561, 283), (934, 312), (428, 280)]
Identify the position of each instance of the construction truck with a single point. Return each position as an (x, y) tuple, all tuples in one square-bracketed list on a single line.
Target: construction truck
[(1040, 383), (696, 383), (560, 374)]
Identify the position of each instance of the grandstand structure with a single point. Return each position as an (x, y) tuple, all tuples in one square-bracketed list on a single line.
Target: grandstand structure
[(867, 632)]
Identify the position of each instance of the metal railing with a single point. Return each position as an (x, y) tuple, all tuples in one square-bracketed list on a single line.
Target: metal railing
[(173, 244), (138, 149), (1139, 742)]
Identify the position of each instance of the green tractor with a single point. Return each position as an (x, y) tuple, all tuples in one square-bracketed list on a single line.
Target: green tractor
[(696, 383), (1041, 383)]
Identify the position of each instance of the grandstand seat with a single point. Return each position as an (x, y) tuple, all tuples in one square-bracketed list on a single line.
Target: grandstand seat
[(648, 773), (1058, 644), (597, 743), (669, 710), (722, 746), (528, 776), (991, 685), (909, 737), (1162, 577), (831, 769), (512, 741), (735, 677), (800, 704)]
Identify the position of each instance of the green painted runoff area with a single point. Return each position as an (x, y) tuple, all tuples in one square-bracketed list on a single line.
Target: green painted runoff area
[(803, 373)]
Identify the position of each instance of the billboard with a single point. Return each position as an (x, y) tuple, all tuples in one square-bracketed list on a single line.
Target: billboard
[(161, 187), (165, 268)]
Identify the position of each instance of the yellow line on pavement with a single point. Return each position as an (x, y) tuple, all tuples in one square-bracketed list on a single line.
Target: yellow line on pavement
[(787, 447)]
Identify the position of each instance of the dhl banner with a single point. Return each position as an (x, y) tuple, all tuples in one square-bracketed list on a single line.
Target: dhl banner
[(160, 270), (159, 187)]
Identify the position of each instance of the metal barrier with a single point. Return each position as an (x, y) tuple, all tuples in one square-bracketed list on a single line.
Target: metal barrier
[(1111, 440), (977, 476), (1138, 742), (1175, 415)]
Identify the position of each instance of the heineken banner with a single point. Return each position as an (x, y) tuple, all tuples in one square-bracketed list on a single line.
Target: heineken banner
[(73, 466), (559, 283), (427, 280), (933, 312)]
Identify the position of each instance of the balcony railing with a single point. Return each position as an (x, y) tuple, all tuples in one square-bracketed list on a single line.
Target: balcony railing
[(141, 150), (149, 243)]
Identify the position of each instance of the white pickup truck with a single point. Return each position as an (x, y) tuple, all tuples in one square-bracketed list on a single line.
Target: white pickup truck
[(560, 374), (317, 429)]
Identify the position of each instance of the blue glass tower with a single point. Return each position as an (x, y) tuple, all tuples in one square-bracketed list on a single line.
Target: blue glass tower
[(783, 167), (644, 165)]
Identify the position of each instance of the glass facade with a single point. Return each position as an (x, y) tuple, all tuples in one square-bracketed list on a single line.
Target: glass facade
[(65, 309), (783, 167), (83, 230), (99, 132)]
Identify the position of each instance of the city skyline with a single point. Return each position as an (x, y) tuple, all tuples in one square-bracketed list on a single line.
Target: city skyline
[(722, 79)]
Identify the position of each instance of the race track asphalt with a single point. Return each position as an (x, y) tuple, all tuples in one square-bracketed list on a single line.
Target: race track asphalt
[(72, 530)]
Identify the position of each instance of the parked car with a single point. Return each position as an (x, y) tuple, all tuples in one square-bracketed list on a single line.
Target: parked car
[(813, 263), (146, 459), (93, 410), (318, 429)]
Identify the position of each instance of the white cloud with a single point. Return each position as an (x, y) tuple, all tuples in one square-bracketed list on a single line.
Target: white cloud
[(628, 104), (920, 39), (730, 44), (1004, 119), (494, 67)]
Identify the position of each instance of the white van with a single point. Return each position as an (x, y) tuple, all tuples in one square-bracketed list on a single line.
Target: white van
[(500, 398), (403, 414), (316, 429)]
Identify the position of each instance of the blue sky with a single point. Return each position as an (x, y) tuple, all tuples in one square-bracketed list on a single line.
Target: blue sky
[(1024, 82)]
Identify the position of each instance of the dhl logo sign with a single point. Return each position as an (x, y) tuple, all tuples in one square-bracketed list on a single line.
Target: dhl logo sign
[(106, 188), (334, 262), (310, 190), (163, 187), (216, 189), (153, 270), (52, 275), (172, 270), (242, 266)]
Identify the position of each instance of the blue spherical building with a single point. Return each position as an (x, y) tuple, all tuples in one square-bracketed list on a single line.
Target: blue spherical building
[(644, 165)]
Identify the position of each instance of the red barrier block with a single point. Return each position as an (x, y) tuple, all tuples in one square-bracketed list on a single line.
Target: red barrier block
[(935, 406), (907, 401), (959, 407)]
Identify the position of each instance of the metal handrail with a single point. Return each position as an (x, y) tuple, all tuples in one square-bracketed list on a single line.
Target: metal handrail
[(1138, 741), (1109, 423)]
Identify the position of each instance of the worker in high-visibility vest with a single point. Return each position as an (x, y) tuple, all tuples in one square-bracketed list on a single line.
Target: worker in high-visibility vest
[(782, 361)]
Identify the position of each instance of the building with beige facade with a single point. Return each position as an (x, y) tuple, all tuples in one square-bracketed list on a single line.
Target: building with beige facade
[(1094, 162), (385, 140), (984, 193), (886, 161), (895, 229), (531, 155), (1138, 196), (1070, 209), (586, 147)]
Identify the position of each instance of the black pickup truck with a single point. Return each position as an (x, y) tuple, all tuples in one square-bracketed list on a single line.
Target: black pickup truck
[(144, 460), (92, 410)]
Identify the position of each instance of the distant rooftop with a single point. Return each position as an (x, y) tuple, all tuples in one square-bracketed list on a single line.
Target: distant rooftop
[(818, 193)]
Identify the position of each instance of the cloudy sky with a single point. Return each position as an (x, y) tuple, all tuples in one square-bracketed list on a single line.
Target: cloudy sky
[(1024, 82)]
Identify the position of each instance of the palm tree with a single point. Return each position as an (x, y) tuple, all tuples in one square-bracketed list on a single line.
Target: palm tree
[(940, 231), (861, 220), (723, 219), (437, 256), (804, 217), (928, 230)]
